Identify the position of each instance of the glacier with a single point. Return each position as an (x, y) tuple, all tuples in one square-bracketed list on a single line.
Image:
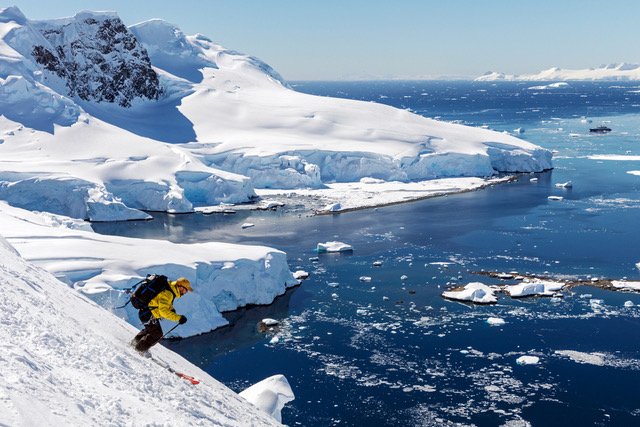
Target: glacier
[(162, 121)]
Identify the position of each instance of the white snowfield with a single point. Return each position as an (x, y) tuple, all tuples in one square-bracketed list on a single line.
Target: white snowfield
[(67, 362), (622, 71), (224, 124)]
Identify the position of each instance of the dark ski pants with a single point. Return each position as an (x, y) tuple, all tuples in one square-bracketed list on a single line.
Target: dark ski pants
[(149, 336)]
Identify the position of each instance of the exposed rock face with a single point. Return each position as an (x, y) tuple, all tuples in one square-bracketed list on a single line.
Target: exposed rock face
[(98, 58)]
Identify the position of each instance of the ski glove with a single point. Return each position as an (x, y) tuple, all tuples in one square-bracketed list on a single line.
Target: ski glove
[(183, 320)]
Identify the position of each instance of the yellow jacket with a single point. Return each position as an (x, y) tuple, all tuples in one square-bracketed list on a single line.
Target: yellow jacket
[(162, 304)]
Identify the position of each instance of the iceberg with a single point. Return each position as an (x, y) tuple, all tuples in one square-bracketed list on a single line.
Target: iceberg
[(270, 395), (475, 292), (334, 247)]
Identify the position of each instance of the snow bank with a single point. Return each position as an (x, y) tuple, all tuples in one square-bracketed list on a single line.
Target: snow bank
[(66, 361), (476, 292), (224, 276)]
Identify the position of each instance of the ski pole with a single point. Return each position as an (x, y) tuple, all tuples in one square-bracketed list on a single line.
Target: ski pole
[(170, 330)]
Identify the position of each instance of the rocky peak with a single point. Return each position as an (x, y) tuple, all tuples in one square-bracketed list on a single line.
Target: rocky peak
[(98, 58)]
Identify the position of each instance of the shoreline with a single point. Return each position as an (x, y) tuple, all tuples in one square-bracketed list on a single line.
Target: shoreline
[(606, 284), (430, 196), (356, 196)]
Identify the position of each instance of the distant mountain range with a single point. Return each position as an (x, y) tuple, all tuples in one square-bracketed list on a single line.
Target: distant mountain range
[(612, 72)]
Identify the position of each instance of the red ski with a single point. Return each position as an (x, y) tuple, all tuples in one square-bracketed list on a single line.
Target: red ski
[(189, 378), (186, 377)]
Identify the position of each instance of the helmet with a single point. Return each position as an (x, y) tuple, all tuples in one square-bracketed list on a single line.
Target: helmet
[(184, 283)]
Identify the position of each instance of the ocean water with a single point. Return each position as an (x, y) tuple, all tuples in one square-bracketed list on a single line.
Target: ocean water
[(393, 352)]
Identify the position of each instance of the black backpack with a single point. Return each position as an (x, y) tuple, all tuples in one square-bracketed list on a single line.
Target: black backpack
[(148, 289)]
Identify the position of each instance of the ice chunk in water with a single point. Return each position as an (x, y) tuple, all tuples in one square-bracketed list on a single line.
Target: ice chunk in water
[(527, 360)]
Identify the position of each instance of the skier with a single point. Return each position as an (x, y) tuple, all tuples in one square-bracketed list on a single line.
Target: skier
[(161, 306)]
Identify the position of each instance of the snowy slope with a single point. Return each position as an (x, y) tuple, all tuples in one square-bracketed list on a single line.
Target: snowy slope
[(66, 362), (56, 157), (254, 125), (147, 118), (614, 72)]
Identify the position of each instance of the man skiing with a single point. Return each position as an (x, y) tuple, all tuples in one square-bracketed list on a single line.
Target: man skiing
[(161, 306)]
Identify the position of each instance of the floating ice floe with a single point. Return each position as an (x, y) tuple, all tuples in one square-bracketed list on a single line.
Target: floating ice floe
[(404, 277), (526, 289), (567, 184), (495, 321), (247, 225), (377, 263), (361, 312), (596, 359), (555, 198), (334, 247), (474, 292), (365, 279), (527, 360), (301, 275), (596, 304), (334, 284), (629, 304)]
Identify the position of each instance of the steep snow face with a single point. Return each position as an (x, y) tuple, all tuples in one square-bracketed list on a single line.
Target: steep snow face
[(66, 361), (170, 50)]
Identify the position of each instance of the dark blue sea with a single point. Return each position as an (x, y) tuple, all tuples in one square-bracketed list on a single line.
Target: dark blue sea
[(411, 358)]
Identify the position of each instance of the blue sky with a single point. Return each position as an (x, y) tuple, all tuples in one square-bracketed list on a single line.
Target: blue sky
[(338, 39)]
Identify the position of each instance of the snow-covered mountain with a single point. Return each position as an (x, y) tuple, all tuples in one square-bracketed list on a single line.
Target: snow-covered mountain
[(120, 120), (67, 362), (613, 72)]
